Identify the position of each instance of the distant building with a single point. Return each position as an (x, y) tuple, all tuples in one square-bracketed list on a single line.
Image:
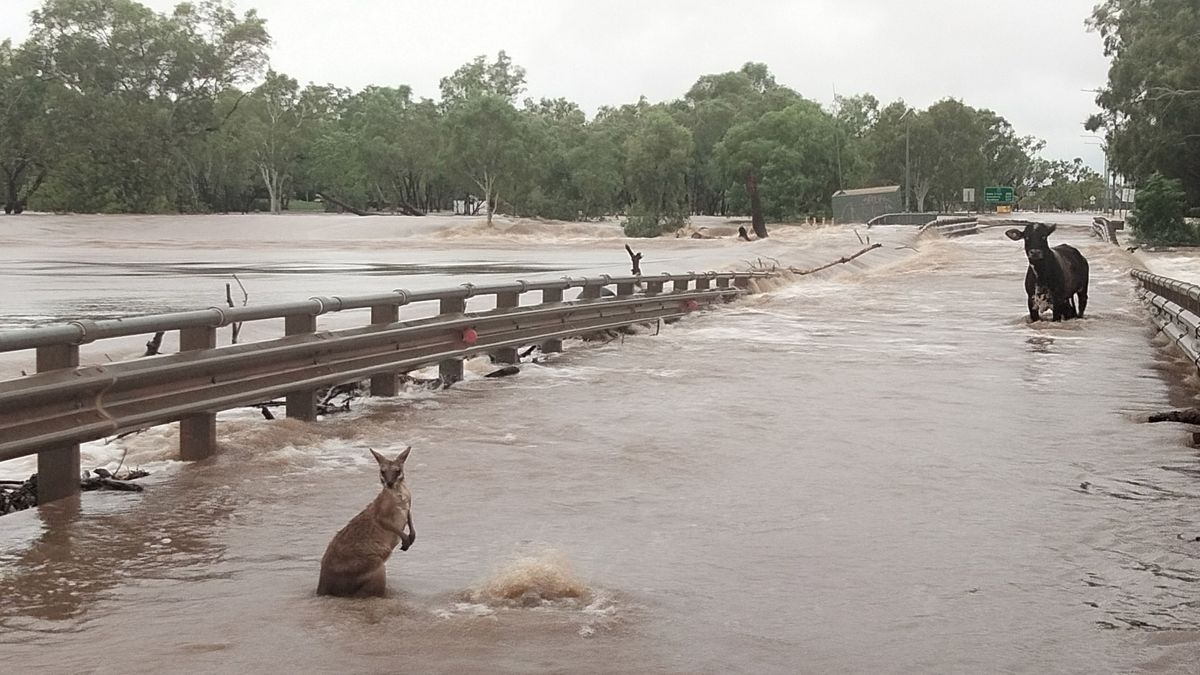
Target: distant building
[(859, 206)]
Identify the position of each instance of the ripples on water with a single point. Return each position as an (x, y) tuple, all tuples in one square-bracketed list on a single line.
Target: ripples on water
[(886, 469)]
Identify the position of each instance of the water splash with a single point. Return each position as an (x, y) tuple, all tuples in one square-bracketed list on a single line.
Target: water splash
[(532, 580)]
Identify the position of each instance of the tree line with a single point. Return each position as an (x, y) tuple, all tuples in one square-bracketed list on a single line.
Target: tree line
[(109, 106), (1151, 109)]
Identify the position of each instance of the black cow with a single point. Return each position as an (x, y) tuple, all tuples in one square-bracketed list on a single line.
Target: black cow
[(1055, 275)]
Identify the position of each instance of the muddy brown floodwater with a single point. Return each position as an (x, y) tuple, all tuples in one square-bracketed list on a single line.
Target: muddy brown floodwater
[(885, 469)]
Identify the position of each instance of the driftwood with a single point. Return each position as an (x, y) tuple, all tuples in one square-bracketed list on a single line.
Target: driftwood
[(237, 326), (408, 209), (636, 260), (343, 205), (21, 495), (327, 404), (1186, 416), (154, 344), (403, 207), (742, 234), (504, 372), (839, 261)]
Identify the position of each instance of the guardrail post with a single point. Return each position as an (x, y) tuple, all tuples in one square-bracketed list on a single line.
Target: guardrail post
[(58, 467), (654, 287), (198, 432), (680, 285), (742, 283), (552, 345), (702, 283), (301, 405), (451, 370), (507, 300), (590, 292), (625, 288), (722, 282), (386, 384)]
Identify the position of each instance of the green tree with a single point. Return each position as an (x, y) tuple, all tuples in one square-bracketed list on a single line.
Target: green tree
[(477, 78), (1152, 98), (1066, 186), (790, 154), (656, 161), (713, 106), (486, 143), (1158, 213), (138, 89), (27, 143)]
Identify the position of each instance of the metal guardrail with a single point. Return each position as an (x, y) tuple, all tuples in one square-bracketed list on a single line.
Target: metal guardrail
[(910, 218), (1175, 307), (952, 227), (51, 412), (1106, 230)]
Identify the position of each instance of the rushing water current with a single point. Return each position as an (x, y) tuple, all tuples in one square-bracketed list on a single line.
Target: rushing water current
[(882, 468)]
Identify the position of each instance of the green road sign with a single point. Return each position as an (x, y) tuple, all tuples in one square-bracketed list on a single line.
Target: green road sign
[(998, 195)]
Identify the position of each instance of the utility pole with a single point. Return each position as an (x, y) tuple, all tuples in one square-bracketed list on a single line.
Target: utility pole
[(907, 181), (1108, 191)]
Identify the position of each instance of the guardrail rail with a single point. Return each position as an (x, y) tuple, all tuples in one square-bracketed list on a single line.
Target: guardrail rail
[(952, 227), (1106, 230), (1175, 308), (64, 404)]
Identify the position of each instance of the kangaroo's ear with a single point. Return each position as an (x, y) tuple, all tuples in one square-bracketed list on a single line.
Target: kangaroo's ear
[(378, 457), (1015, 234), (404, 455)]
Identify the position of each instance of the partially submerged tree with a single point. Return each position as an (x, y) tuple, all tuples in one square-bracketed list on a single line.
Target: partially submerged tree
[(656, 158), (486, 140), (788, 155)]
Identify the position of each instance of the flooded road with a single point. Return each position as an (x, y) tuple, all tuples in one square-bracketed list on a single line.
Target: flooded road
[(883, 468)]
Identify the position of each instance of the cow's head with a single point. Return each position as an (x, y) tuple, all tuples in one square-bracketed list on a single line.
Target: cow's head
[(1035, 236)]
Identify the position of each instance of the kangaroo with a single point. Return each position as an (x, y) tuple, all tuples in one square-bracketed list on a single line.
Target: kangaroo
[(353, 564)]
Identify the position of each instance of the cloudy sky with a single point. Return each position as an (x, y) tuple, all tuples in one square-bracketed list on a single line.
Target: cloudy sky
[(1029, 60)]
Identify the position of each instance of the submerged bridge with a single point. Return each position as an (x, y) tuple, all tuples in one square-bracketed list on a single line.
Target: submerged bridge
[(49, 413), (64, 404)]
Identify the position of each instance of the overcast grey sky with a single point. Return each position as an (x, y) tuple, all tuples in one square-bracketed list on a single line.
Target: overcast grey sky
[(1028, 60)]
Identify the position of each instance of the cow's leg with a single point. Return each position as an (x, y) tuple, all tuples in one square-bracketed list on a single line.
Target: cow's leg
[(1033, 311), (1082, 302)]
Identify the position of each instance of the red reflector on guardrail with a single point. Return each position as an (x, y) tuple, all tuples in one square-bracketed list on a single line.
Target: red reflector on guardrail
[(469, 336)]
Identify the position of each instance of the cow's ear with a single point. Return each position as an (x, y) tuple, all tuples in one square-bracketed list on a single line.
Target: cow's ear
[(1015, 234), (1051, 228)]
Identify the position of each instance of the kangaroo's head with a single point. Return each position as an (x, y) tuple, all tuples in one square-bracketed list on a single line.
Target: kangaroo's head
[(391, 471)]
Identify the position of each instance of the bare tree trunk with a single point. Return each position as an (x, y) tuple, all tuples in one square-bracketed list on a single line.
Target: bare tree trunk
[(269, 178), (13, 202), (922, 191), (10, 202), (756, 215)]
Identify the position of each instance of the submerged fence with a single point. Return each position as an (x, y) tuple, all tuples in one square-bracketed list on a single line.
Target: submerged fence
[(51, 412), (1175, 308)]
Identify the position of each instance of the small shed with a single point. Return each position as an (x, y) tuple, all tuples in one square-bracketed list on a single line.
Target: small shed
[(861, 205)]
